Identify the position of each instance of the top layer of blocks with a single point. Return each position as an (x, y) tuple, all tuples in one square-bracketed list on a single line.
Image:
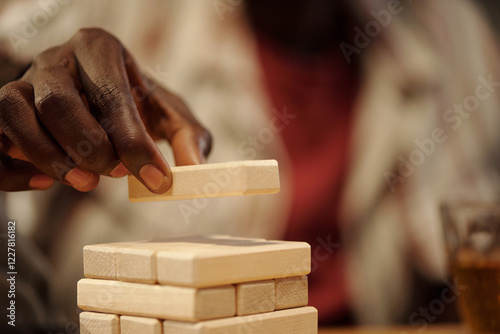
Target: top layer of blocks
[(197, 262)]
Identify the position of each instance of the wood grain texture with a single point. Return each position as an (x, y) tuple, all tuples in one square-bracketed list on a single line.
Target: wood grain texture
[(255, 297), (140, 325), (214, 180), (202, 261), (162, 302), (136, 264), (98, 323), (99, 261), (291, 292), (302, 320), (220, 264)]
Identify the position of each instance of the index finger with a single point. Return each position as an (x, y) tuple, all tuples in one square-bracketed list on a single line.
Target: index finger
[(105, 82)]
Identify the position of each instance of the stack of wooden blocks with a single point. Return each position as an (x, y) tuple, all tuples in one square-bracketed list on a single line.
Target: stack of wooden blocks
[(209, 285)]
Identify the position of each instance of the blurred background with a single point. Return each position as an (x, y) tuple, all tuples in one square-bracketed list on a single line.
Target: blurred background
[(492, 9), (381, 131)]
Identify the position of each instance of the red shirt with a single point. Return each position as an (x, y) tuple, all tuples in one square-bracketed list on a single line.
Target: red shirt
[(320, 90)]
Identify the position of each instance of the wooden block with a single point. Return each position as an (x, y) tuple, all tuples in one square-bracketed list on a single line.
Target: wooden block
[(230, 264), (156, 301), (136, 264), (132, 264), (255, 297), (214, 180), (303, 320), (99, 261), (204, 261), (98, 323), (139, 325), (291, 292)]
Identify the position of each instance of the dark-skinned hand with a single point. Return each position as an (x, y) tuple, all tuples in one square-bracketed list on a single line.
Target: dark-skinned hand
[(83, 109)]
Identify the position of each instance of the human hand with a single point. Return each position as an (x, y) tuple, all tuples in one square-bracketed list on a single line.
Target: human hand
[(82, 110)]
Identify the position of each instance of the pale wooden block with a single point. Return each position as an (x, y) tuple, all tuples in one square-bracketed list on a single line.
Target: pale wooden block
[(291, 292), (136, 264), (214, 265), (99, 261), (139, 325), (255, 297), (202, 261), (236, 178), (156, 301), (98, 323), (303, 320)]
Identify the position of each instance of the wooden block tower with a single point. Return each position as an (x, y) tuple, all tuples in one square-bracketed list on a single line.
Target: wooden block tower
[(197, 285)]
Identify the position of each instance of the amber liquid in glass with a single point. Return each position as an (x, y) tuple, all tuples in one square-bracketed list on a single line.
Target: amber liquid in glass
[(479, 300)]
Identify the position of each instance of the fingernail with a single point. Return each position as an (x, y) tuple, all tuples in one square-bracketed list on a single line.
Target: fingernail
[(153, 177), (80, 179), (41, 182), (119, 171)]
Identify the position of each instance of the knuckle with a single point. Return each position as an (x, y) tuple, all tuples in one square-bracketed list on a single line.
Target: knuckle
[(85, 34), (45, 57), (88, 35), (58, 98), (105, 96), (11, 98)]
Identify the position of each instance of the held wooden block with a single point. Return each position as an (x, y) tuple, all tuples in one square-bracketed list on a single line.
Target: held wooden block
[(205, 261), (291, 292), (98, 323), (214, 180), (139, 325), (155, 301), (303, 320), (255, 297)]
